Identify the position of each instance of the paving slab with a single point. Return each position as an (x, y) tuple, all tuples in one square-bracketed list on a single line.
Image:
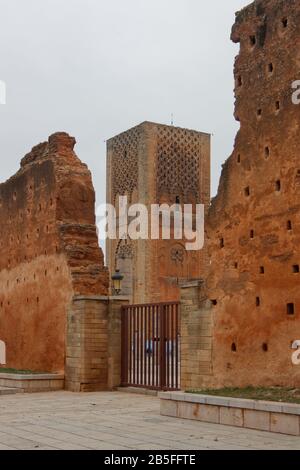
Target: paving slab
[(116, 421)]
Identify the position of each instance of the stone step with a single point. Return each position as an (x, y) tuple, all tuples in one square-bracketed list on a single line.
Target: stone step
[(8, 391)]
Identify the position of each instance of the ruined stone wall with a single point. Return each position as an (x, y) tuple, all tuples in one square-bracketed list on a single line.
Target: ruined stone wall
[(254, 222), (49, 253), (151, 164)]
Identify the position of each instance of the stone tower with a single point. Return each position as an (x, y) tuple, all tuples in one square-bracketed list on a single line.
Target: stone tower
[(154, 163)]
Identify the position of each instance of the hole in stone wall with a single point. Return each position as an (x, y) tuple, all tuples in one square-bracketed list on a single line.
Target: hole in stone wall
[(267, 152), (37, 300), (247, 191), (278, 185), (239, 81), (236, 265), (290, 309), (177, 200), (277, 105), (252, 40), (239, 158), (265, 347), (257, 301), (259, 112), (289, 225), (296, 269), (251, 234), (214, 302), (222, 243), (284, 22), (270, 68), (233, 347), (262, 270)]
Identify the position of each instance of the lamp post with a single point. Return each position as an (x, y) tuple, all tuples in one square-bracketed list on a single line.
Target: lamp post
[(117, 279)]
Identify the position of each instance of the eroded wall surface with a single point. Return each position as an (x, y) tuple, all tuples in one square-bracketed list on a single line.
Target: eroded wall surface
[(49, 253), (254, 222)]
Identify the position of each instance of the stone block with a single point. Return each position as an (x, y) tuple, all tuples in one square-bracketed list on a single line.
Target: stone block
[(257, 420), (168, 408), (231, 416), (285, 424)]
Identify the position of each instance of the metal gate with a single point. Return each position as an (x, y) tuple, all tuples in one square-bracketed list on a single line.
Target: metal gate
[(151, 346)]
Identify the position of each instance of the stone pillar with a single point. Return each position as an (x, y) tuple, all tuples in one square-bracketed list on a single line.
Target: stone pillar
[(196, 337), (93, 350), (114, 344)]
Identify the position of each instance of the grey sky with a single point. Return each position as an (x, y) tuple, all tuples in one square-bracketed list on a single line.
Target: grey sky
[(95, 68)]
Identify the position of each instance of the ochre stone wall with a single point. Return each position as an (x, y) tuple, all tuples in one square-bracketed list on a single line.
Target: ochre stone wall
[(49, 253), (254, 222), (157, 164)]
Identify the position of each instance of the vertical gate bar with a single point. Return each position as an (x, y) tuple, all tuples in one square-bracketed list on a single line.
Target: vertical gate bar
[(134, 346), (138, 345), (162, 348), (145, 347), (129, 344), (173, 310), (150, 345), (158, 339), (141, 346), (153, 342), (166, 344), (177, 340)]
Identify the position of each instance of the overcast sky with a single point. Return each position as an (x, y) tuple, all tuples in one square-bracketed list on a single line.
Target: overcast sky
[(95, 68)]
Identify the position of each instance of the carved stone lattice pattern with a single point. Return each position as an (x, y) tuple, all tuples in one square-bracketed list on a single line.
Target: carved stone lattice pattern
[(124, 250), (125, 163), (178, 162)]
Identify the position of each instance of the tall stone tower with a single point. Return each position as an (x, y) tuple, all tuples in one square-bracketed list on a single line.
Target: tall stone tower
[(155, 164)]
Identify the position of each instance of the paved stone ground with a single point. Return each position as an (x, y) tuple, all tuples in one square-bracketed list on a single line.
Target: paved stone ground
[(115, 421)]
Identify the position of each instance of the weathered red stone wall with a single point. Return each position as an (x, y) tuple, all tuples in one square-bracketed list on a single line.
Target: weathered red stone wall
[(254, 222), (49, 252)]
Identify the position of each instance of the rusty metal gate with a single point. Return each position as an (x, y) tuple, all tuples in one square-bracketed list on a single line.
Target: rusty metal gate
[(151, 346)]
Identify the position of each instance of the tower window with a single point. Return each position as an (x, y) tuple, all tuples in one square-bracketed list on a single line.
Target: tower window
[(284, 22), (252, 40), (289, 225), (259, 112), (251, 234), (296, 269), (257, 302), (177, 200), (265, 347), (233, 347), (271, 68), (239, 81), (239, 158), (290, 309), (267, 152), (247, 191), (262, 270), (277, 105), (222, 243), (278, 185)]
